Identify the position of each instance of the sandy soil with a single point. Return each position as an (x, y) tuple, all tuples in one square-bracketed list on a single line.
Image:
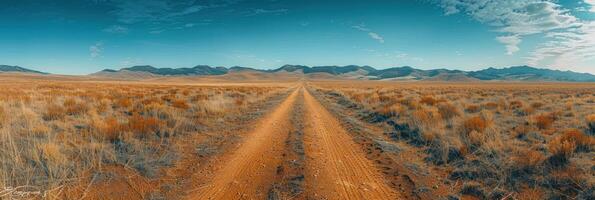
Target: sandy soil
[(337, 168), (250, 170)]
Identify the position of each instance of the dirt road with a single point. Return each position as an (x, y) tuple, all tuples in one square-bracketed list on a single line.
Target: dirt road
[(337, 168), (251, 168)]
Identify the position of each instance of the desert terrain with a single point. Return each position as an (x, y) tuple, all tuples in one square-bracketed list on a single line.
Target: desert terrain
[(74, 137)]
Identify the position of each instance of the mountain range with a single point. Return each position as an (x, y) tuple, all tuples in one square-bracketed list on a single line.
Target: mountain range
[(8, 68), (515, 73)]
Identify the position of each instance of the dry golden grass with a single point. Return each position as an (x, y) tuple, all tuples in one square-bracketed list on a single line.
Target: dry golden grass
[(505, 135), (54, 134), (591, 123), (475, 123)]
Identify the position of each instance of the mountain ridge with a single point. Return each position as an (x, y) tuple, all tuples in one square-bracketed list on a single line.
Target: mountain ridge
[(10, 68), (513, 73)]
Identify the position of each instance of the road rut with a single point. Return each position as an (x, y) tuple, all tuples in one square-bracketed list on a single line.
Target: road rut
[(336, 167), (250, 170)]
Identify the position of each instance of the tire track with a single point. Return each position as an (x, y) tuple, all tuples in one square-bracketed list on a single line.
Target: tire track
[(250, 170), (290, 174), (336, 167)]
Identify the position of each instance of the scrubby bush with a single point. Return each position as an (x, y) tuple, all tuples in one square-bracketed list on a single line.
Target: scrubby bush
[(2, 116), (537, 105), (391, 110), (544, 121), (591, 124), (143, 126), (74, 108), (180, 103), (123, 103), (491, 105), (476, 123), (54, 112), (428, 100), (563, 146), (473, 108), (515, 104), (448, 111)]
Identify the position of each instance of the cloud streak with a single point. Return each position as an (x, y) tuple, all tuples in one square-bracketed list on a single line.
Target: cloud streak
[(95, 50), (376, 37), (569, 40), (373, 35), (515, 18), (592, 4), (116, 29), (138, 11)]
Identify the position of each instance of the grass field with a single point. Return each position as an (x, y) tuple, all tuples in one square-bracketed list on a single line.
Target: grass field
[(74, 139), (489, 140)]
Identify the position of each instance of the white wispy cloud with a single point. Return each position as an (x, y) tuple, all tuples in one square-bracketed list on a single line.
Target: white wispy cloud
[(376, 37), (511, 42), (269, 11), (95, 50), (568, 48), (135, 11), (515, 18), (373, 35), (117, 29), (592, 4), (569, 39), (361, 27)]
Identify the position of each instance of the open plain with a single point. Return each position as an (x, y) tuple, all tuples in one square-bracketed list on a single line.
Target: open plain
[(73, 138)]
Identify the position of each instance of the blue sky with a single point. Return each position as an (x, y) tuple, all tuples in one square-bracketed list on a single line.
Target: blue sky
[(85, 36)]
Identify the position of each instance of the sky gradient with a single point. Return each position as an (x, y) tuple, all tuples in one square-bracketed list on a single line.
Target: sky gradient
[(85, 36)]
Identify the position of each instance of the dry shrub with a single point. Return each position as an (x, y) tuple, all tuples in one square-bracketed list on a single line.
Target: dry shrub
[(521, 130), (536, 105), (69, 102), (180, 103), (429, 100), (123, 103), (142, 126), (392, 110), (384, 98), (358, 97), (51, 152), (239, 101), (527, 110), (199, 97), (473, 108), (565, 145), (101, 106), (582, 141), (544, 121), (421, 117), (3, 116), (111, 129), (515, 104), (448, 111), (374, 98), (531, 194), (561, 152), (526, 158), (74, 108), (490, 105), (476, 123), (54, 112), (591, 123)]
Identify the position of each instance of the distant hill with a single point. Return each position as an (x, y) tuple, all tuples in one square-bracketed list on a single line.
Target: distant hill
[(8, 68), (516, 73), (527, 73)]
